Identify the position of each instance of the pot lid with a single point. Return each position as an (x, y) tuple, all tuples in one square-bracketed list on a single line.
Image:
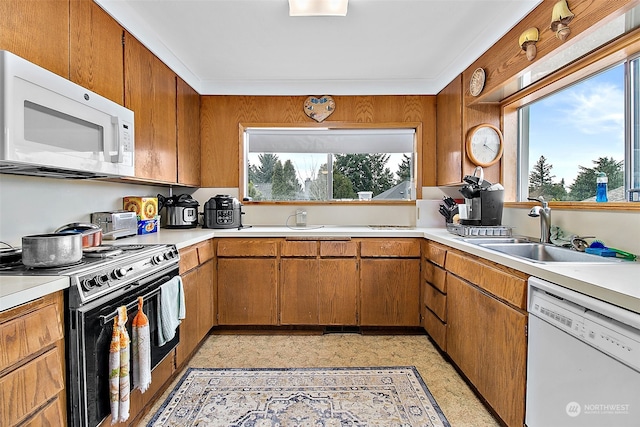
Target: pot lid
[(183, 200)]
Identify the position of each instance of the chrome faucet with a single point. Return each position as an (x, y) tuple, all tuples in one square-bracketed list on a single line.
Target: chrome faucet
[(544, 212)]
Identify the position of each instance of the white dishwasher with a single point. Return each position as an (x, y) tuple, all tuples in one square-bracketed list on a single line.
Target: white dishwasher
[(583, 366)]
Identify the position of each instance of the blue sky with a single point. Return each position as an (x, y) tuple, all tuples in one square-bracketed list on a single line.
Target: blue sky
[(579, 124)]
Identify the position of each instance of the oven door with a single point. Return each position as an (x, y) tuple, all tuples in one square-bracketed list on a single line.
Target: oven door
[(89, 334)]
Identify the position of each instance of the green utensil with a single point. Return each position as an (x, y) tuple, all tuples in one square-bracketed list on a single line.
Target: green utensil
[(625, 255)]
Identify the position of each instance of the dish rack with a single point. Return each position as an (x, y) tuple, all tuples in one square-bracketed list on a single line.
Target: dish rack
[(479, 230)]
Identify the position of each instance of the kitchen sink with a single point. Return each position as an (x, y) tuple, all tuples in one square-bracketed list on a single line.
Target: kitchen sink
[(545, 253), (499, 240)]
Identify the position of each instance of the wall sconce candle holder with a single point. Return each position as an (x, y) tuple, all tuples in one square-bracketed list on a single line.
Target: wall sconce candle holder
[(528, 41), (560, 18)]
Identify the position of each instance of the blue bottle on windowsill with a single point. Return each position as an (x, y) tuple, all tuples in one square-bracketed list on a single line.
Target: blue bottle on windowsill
[(601, 187)]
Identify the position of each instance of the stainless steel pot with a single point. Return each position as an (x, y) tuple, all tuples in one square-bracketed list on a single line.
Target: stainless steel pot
[(51, 250), (91, 233)]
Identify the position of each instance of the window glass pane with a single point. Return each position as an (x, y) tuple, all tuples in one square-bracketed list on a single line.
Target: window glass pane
[(322, 164), (571, 135), (634, 149)]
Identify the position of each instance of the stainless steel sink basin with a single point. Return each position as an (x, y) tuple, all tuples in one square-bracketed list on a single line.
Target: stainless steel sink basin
[(545, 253), (499, 240)]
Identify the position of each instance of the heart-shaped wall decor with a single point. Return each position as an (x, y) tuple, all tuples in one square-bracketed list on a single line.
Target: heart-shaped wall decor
[(319, 108)]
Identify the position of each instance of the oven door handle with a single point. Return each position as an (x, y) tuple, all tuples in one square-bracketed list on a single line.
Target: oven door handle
[(108, 318)]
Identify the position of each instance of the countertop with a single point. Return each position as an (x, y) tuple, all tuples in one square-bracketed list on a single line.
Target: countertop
[(614, 283)]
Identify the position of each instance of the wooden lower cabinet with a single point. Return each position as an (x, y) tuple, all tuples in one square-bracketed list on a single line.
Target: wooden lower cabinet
[(390, 292), (338, 290), (319, 283), (197, 269), (486, 338), (299, 293), (247, 291), (32, 363)]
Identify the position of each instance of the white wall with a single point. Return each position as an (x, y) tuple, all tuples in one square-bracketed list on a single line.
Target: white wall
[(31, 205)]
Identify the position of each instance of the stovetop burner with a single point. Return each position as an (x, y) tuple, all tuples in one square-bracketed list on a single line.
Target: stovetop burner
[(101, 252)]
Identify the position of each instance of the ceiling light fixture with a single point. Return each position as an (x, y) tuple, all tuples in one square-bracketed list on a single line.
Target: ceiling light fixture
[(318, 7)]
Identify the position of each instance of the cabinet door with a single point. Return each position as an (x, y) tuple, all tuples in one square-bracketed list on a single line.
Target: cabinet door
[(299, 292), (449, 138), (189, 333), (150, 91), (390, 292), (37, 31), (96, 50), (486, 339), (338, 291), (206, 298), (247, 290), (188, 120)]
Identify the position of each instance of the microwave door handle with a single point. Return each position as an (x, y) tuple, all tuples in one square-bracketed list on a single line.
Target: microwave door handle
[(118, 124)]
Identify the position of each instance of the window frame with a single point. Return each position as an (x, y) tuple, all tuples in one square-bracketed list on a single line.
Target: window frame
[(624, 48), (416, 126)]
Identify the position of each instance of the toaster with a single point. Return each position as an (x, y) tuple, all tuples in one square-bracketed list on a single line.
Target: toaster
[(116, 224)]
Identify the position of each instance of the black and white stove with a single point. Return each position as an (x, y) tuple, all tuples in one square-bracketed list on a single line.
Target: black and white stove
[(104, 269)]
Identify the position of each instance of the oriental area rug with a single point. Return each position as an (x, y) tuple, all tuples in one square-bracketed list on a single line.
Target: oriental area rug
[(327, 397)]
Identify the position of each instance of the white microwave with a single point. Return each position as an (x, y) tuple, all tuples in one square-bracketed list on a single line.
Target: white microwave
[(54, 127)]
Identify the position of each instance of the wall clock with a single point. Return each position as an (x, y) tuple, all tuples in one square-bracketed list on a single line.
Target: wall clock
[(476, 84), (484, 145)]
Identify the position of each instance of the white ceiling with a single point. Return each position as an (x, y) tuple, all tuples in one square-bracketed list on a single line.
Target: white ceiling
[(382, 47)]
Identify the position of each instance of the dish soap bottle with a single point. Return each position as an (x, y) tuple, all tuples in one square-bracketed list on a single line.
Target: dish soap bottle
[(601, 187)]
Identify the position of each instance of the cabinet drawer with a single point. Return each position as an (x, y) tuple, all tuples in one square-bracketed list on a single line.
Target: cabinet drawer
[(436, 301), (436, 276), (205, 251), (464, 266), (29, 334), (30, 386), (436, 253), (388, 248), (188, 259), (299, 248), (436, 329), (53, 414), (338, 249), (508, 286), (247, 248)]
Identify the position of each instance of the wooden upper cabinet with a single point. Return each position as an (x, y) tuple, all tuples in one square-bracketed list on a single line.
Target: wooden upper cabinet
[(454, 119), (450, 144), (150, 91), (96, 50), (37, 31), (188, 113)]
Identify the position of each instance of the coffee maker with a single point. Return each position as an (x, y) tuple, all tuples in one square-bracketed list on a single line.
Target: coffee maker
[(483, 199)]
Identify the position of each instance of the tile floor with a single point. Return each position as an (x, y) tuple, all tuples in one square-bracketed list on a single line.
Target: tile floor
[(459, 404)]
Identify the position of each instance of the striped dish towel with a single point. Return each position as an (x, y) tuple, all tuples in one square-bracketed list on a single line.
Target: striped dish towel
[(119, 368)]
